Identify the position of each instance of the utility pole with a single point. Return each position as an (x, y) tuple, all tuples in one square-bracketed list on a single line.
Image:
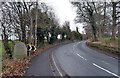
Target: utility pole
[(36, 23)]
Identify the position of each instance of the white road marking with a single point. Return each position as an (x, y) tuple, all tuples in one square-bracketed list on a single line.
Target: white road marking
[(81, 56), (73, 48), (105, 62), (77, 53), (51, 66), (106, 70), (98, 65), (56, 66), (112, 57), (52, 70)]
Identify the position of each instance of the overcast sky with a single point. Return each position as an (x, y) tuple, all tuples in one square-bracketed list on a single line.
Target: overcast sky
[(64, 11)]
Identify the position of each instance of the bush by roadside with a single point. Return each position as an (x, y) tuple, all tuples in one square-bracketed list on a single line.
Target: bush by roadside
[(104, 47)]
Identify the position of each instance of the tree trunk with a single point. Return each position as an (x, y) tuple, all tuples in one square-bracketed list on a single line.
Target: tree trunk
[(119, 38), (30, 32), (114, 21), (23, 32), (5, 40), (104, 19), (100, 29), (48, 38), (93, 26), (92, 21), (113, 37), (99, 25), (23, 35), (19, 35), (100, 33), (6, 45)]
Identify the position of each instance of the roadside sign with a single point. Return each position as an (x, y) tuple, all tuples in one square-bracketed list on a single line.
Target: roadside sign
[(31, 48), (36, 26)]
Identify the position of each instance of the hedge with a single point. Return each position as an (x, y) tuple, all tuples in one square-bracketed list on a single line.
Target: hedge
[(106, 48)]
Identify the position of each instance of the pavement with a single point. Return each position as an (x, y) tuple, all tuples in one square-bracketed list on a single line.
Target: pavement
[(74, 59)]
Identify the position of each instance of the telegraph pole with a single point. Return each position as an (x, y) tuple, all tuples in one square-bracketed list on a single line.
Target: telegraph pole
[(36, 23)]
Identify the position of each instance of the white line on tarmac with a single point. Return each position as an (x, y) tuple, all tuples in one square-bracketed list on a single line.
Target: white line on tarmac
[(77, 53), (56, 66), (52, 70), (81, 56), (105, 62), (106, 70)]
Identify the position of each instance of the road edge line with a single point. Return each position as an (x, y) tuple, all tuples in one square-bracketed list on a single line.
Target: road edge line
[(56, 66), (106, 70)]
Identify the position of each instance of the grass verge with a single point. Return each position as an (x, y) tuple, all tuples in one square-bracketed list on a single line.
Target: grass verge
[(109, 42), (104, 47)]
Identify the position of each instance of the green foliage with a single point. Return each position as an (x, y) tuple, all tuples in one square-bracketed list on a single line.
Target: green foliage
[(2, 49), (108, 39), (40, 34), (47, 25), (53, 33), (11, 44), (77, 35)]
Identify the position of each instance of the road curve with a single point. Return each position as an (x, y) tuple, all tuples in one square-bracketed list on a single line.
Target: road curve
[(76, 59)]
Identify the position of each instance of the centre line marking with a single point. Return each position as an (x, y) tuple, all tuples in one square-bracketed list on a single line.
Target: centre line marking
[(106, 70), (105, 62), (81, 56), (56, 66)]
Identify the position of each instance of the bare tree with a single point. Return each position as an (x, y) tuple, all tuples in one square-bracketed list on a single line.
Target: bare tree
[(15, 21), (86, 14), (115, 18), (114, 21)]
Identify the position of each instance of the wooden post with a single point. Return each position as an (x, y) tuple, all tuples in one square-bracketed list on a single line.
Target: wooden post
[(36, 23)]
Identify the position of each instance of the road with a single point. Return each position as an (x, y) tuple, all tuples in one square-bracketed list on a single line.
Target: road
[(76, 59), (43, 65)]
